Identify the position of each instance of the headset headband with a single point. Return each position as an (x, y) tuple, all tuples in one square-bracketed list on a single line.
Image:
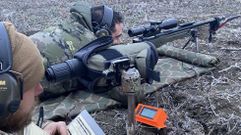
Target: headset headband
[(107, 17), (5, 51)]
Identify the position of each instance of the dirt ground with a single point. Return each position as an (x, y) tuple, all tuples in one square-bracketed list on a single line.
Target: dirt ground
[(208, 104)]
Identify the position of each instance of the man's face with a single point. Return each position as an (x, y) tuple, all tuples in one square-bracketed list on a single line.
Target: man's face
[(118, 33), (22, 117)]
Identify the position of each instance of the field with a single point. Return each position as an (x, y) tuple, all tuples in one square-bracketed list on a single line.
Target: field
[(208, 104)]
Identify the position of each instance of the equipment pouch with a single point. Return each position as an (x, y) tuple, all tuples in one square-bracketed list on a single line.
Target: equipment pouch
[(145, 62), (98, 66), (142, 55)]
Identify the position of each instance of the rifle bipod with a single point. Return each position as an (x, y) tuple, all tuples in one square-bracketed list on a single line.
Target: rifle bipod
[(193, 38)]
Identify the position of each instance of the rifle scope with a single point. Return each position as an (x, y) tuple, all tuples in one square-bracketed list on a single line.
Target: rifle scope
[(63, 71), (154, 27)]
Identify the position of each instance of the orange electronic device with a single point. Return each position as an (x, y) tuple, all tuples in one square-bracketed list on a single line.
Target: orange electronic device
[(150, 115)]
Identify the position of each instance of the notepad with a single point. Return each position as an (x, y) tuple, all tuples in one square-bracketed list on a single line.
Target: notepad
[(84, 124)]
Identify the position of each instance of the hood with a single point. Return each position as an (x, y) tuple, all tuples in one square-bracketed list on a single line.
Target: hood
[(82, 12)]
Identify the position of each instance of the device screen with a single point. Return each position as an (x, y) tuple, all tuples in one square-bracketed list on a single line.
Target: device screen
[(149, 113)]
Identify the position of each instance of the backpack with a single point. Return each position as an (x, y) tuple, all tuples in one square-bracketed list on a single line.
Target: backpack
[(96, 57)]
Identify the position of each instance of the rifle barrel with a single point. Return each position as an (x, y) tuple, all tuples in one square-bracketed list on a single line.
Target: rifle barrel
[(181, 31), (167, 31)]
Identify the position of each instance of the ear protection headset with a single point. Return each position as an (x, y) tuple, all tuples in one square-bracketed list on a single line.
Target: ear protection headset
[(11, 84), (103, 28)]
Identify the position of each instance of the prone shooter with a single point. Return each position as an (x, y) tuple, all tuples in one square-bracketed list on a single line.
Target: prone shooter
[(151, 37), (99, 61)]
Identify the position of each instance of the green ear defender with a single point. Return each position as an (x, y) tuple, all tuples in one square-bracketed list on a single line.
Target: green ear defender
[(103, 28)]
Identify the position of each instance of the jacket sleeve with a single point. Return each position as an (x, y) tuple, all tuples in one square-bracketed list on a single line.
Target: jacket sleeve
[(33, 129)]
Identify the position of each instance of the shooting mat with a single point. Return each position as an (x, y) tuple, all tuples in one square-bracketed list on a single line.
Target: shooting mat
[(172, 69)]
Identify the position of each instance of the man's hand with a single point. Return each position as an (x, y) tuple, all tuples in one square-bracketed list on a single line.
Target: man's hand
[(56, 128)]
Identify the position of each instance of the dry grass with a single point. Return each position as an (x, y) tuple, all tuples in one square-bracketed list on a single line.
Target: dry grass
[(207, 104)]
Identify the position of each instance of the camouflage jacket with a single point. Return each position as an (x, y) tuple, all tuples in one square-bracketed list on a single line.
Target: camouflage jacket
[(59, 43)]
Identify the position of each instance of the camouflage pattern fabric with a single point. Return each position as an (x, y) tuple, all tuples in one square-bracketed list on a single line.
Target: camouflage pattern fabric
[(81, 11), (63, 105), (71, 105), (57, 44), (171, 71), (60, 43), (136, 52), (188, 56)]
